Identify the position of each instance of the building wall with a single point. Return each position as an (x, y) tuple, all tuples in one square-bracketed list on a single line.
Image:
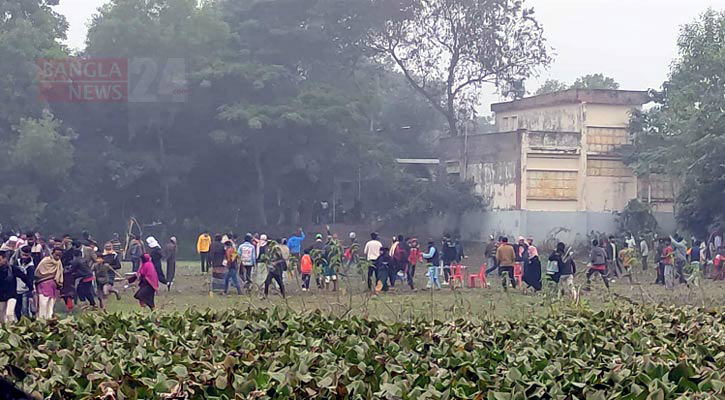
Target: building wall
[(561, 118)]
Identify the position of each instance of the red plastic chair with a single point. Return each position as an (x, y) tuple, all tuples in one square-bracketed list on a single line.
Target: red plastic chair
[(457, 275), (480, 276), (518, 273)]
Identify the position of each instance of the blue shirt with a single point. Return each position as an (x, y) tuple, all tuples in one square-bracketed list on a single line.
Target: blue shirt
[(295, 243)]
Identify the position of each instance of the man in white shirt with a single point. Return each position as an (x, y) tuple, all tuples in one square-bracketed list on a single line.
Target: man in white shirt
[(644, 252), (372, 252)]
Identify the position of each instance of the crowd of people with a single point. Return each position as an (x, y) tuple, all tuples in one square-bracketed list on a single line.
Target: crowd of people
[(35, 273)]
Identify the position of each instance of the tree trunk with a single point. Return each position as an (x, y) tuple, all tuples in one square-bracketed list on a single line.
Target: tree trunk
[(260, 186), (452, 126)]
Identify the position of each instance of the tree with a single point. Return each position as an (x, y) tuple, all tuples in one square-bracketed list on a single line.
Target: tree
[(595, 81), (449, 49), (551, 86), (682, 135)]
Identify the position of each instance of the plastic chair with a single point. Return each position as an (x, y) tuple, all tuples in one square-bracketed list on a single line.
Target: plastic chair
[(518, 273), (481, 277), (457, 275)]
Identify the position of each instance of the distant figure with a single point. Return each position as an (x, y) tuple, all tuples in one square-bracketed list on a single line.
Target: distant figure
[(170, 256), (371, 253), (157, 255), (598, 258), (135, 253), (644, 252), (116, 243), (532, 271), (203, 244), (505, 257)]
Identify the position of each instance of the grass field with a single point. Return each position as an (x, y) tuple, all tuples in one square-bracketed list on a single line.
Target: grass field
[(190, 290)]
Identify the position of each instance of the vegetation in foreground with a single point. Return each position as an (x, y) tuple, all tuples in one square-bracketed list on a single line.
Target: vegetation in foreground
[(623, 352)]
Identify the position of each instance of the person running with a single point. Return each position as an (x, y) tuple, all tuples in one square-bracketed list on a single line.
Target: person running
[(372, 252), (248, 259), (275, 269), (490, 254), (432, 260), (505, 258), (170, 250), (112, 258), (598, 259), (203, 244), (306, 270), (627, 258), (83, 274), (148, 283), (48, 281), (231, 261), (102, 271)]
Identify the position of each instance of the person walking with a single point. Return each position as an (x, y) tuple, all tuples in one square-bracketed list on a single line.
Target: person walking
[(372, 252), (275, 269), (448, 257), (8, 287), (157, 254), (668, 259), (432, 260), (295, 244), (598, 258), (680, 248), (203, 244), (306, 270), (490, 254), (384, 266), (25, 305), (217, 256), (48, 281), (248, 259), (627, 258), (695, 277), (170, 257), (505, 257), (414, 256), (231, 262), (148, 283), (532, 271)]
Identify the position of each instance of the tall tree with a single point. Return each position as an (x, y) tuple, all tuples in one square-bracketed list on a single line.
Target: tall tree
[(449, 49), (682, 135), (595, 81)]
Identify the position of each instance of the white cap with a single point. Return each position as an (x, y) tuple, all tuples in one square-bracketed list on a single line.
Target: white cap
[(13, 239)]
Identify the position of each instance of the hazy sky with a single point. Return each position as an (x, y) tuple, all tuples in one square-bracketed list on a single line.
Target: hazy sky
[(632, 41)]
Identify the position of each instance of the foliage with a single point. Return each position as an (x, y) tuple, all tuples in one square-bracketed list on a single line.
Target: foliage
[(595, 81), (623, 353), (637, 219), (449, 49), (682, 135), (551, 86)]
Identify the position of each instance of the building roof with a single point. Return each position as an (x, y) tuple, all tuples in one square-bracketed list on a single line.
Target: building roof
[(418, 161), (593, 96)]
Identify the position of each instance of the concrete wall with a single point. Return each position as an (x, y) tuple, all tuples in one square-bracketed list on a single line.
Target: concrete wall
[(562, 118)]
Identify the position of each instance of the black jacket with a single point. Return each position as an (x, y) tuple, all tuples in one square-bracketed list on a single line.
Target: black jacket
[(449, 253), (217, 254), (566, 264), (8, 282)]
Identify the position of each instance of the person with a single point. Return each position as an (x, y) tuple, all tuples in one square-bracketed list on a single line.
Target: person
[(400, 256), (170, 256), (148, 283), (644, 252), (432, 259), (262, 244), (116, 244), (83, 274), (695, 277), (217, 255), (372, 252), (660, 280), (521, 253), (38, 250), (668, 259), (231, 261), (448, 256), (532, 272), (306, 270), (135, 253), (275, 269), (8, 287), (611, 253), (505, 258), (48, 280), (102, 271), (566, 268), (490, 254), (25, 305), (414, 256), (203, 243), (460, 254), (329, 268), (627, 258), (247, 259), (68, 290), (598, 258), (295, 243), (680, 248), (384, 265), (157, 254)]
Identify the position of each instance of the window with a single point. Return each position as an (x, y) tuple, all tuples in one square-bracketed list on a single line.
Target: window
[(551, 185)]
